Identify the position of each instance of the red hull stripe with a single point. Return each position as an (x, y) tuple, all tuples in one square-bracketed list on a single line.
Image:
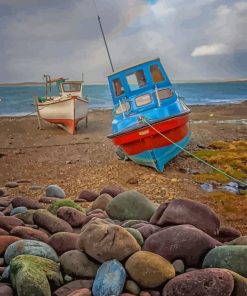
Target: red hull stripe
[(146, 138), (147, 132), (70, 124)]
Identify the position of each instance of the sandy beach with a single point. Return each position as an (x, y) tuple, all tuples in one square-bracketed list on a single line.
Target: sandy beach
[(88, 160)]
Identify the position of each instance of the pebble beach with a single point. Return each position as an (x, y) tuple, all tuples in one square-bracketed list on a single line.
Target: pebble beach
[(76, 220)]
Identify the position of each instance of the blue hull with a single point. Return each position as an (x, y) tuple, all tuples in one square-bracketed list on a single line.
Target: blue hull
[(159, 157)]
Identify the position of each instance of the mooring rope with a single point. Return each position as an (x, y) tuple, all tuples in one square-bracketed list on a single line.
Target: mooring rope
[(144, 120)]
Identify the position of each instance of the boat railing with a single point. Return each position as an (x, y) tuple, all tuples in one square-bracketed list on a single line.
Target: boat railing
[(157, 94)]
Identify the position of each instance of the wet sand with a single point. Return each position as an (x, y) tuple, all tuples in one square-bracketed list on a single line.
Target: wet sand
[(88, 160)]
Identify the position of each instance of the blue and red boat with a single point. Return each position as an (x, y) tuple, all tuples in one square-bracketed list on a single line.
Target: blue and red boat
[(150, 121)]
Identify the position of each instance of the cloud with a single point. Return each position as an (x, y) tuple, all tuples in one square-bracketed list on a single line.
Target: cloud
[(209, 50), (63, 38)]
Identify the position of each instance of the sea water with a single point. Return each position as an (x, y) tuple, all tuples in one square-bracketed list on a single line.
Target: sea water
[(18, 100)]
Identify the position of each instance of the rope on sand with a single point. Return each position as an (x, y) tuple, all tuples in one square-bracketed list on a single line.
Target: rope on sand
[(144, 120)]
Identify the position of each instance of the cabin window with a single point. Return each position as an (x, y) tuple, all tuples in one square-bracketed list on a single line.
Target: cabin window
[(71, 87), (124, 107), (118, 87), (136, 80), (156, 74), (165, 93), (143, 100)]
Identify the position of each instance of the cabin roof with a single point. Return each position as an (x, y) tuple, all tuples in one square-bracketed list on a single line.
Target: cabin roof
[(135, 65)]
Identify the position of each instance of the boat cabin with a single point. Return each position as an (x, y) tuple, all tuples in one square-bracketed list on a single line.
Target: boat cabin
[(140, 87), (70, 88)]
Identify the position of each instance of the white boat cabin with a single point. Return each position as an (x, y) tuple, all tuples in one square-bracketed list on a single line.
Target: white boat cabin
[(70, 88)]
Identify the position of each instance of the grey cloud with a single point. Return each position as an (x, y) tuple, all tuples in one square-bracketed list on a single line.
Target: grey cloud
[(63, 37)]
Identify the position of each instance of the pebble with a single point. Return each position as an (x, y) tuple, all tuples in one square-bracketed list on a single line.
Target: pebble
[(185, 211), (55, 191), (130, 205), (87, 195), (11, 184), (18, 210), (148, 269), (112, 190), (189, 244), (103, 241), (207, 282), (29, 247), (94, 245), (78, 264), (232, 257), (110, 279), (178, 266)]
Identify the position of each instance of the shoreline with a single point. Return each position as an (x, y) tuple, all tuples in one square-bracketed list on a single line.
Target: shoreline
[(225, 104)]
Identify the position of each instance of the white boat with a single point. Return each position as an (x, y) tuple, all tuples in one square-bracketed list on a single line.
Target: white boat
[(66, 109)]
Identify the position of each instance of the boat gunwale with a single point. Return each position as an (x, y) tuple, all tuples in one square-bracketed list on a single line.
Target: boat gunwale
[(127, 131), (61, 100)]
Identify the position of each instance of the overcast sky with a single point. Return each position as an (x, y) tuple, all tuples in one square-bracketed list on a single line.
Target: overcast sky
[(195, 39)]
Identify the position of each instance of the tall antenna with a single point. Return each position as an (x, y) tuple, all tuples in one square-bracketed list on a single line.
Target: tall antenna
[(101, 28)]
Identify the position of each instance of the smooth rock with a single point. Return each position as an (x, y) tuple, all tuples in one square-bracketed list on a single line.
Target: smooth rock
[(81, 292), (183, 242), (5, 241), (7, 210), (178, 266), (62, 242), (47, 199), (55, 191), (90, 216), (207, 282), (30, 274), (147, 229), (3, 232), (78, 264), (110, 279), (26, 217), (68, 278), (101, 202), (112, 190), (11, 184), (50, 222), (131, 223), (18, 210), (229, 257), (53, 208), (29, 247), (104, 241), (5, 274), (87, 195), (240, 284), (132, 287), (130, 205), (227, 234), (136, 234), (73, 216), (184, 211), (3, 192), (4, 202), (6, 290), (240, 241), (29, 233), (8, 223), (73, 286), (148, 269), (26, 202)]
